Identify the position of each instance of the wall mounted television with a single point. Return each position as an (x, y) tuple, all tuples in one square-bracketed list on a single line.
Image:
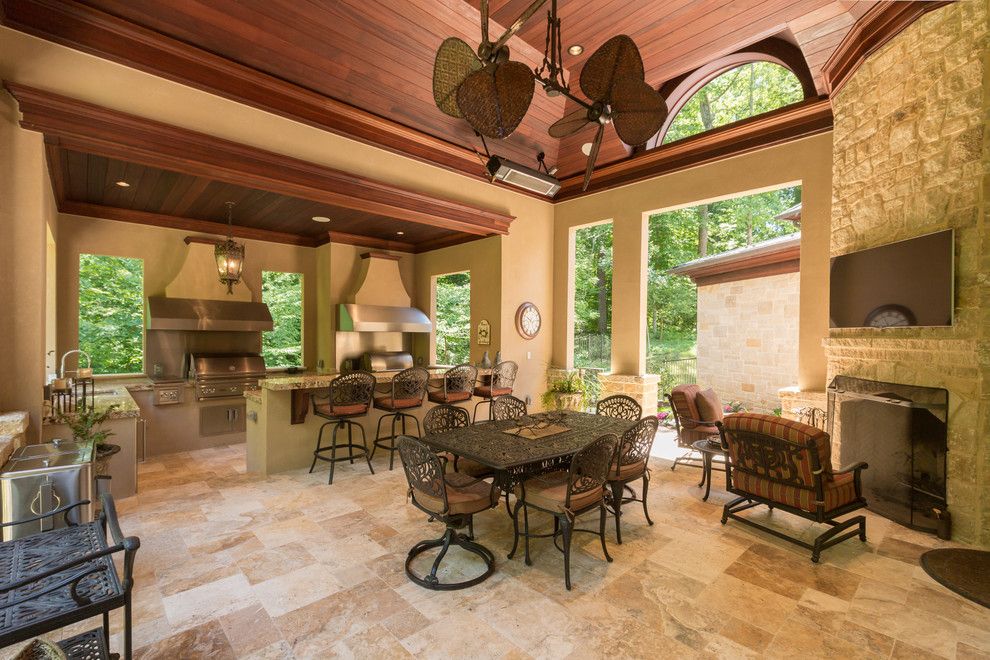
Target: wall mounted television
[(904, 284)]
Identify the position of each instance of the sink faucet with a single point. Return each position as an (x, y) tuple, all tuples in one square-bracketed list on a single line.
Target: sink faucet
[(61, 371)]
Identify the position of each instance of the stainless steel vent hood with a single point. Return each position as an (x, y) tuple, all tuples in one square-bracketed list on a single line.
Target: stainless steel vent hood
[(381, 318), (199, 314)]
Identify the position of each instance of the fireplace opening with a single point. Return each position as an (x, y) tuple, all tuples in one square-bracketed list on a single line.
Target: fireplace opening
[(902, 432)]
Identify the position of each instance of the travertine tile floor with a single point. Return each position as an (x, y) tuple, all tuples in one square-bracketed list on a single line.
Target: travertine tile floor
[(232, 565)]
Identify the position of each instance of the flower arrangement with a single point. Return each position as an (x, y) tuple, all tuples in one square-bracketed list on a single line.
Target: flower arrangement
[(733, 407)]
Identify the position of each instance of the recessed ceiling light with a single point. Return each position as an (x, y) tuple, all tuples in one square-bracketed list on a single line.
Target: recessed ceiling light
[(321, 218), (400, 233), (122, 184), (576, 49), (586, 148)]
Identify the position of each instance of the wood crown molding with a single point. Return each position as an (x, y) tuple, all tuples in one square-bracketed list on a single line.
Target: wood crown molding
[(80, 126), (783, 125), (784, 259), (878, 25)]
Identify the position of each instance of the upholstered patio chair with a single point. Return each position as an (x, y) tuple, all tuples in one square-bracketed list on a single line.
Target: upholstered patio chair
[(631, 464), (619, 406), (456, 385), (403, 393), (348, 396), (691, 422), (788, 465)]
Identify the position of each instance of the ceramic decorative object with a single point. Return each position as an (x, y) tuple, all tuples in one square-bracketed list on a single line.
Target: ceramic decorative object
[(486, 361), (484, 333)]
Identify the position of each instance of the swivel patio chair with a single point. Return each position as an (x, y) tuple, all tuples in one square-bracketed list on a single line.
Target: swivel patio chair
[(500, 383), (406, 392), (788, 465), (566, 495), (631, 464), (690, 424), (508, 407), (348, 397), (456, 385), (619, 406), (443, 418), (453, 499)]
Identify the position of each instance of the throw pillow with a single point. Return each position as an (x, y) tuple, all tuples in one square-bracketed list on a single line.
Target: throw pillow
[(709, 406)]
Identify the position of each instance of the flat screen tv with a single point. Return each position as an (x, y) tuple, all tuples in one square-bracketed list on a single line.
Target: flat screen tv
[(903, 284)]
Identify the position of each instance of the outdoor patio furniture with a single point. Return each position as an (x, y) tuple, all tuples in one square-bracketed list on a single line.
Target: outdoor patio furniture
[(709, 450), (619, 406), (442, 418), (690, 424), (348, 397), (405, 391), (60, 577), (788, 465), (631, 464), (566, 495), (452, 499), (456, 385), (500, 383), (508, 407)]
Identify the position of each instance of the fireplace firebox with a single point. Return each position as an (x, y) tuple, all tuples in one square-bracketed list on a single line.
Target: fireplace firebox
[(902, 432)]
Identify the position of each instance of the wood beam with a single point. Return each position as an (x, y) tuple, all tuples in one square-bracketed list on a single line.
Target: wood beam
[(367, 241), (88, 128), (186, 224)]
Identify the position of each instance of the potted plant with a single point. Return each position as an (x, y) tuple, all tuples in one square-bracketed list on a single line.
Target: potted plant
[(565, 393), (85, 426)]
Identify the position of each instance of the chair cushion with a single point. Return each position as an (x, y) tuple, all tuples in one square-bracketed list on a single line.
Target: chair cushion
[(709, 406), (839, 491), (486, 392), (783, 429), (630, 471), (387, 403), (451, 397), (685, 405), (464, 495), (472, 468), (347, 410), (549, 491)]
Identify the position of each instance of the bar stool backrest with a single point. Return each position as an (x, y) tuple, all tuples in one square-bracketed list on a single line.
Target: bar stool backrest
[(460, 379), (410, 384), (353, 389), (504, 375)]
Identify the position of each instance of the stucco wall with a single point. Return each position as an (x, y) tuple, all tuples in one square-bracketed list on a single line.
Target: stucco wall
[(748, 338), (910, 158)]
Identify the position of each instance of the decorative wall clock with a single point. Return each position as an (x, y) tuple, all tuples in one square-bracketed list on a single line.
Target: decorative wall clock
[(484, 333), (528, 320), (890, 316)]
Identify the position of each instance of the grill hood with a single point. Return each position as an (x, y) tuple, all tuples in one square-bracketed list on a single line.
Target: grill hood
[(199, 314), (380, 303)]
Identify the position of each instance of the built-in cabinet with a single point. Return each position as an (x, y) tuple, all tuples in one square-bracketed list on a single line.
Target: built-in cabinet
[(189, 424), (122, 466)]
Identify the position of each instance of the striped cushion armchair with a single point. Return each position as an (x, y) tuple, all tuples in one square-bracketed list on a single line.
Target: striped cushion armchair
[(788, 465)]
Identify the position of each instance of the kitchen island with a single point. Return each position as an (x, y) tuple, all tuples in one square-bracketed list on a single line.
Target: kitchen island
[(281, 429)]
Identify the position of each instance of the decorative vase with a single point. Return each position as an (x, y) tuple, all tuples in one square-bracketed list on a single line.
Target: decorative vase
[(498, 357), (570, 402), (486, 362)]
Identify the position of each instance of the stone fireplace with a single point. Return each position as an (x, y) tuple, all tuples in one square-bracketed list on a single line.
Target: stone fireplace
[(911, 157)]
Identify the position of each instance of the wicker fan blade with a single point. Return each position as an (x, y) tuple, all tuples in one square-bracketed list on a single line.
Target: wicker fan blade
[(515, 27), (616, 59), (495, 98), (571, 123), (593, 156), (638, 111), (454, 62)]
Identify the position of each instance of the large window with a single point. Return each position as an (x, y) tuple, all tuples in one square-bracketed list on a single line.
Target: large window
[(111, 313), (593, 296), (452, 317), (745, 91), (283, 293)]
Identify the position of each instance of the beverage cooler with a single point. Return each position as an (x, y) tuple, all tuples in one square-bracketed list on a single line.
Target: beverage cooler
[(39, 479)]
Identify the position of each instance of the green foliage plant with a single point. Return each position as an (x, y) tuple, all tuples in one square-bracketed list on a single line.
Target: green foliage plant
[(283, 293), (111, 313), (571, 384), (453, 318), (85, 424)]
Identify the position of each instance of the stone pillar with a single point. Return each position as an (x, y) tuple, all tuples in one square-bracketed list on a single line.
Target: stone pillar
[(642, 388)]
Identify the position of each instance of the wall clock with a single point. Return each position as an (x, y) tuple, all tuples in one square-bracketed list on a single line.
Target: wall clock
[(890, 316), (528, 320)]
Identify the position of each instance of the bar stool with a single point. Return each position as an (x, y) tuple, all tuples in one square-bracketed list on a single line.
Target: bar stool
[(349, 397), (406, 391), (455, 386), (500, 383)]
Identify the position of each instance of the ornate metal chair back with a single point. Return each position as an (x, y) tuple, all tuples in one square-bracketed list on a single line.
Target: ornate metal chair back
[(777, 450), (619, 406), (424, 473), (410, 384), (460, 379), (504, 374), (635, 444), (444, 418), (508, 407), (589, 467)]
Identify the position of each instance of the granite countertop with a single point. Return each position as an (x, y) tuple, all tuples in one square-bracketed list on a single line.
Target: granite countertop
[(114, 392), (253, 395), (14, 423), (311, 379)]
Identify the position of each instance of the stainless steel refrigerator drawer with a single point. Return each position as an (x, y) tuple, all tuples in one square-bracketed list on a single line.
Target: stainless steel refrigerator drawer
[(27, 495)]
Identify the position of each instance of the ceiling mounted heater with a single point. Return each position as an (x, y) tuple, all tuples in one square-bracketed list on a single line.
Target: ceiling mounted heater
[(501, 169)]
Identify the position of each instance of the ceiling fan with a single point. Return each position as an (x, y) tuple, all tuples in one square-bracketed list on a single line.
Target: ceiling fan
[(493, 93)]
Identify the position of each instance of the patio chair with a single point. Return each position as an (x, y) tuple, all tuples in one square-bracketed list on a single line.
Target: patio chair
[(405, 392), (508, 407), (443, 418), (619, 406), (456, 385), (788, 465), (348, 397), (690, 423), (500, 383), (631, 464)]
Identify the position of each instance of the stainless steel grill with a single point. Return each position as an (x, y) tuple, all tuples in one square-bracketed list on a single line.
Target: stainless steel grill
[(225, 375), (387, 361)]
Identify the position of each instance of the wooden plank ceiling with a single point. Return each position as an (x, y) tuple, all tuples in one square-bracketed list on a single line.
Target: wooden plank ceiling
[(377, 55)]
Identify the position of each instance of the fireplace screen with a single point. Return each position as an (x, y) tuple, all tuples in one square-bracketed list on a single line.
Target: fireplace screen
[(901, 431)]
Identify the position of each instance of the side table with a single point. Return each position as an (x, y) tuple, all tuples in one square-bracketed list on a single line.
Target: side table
[(708, 450)]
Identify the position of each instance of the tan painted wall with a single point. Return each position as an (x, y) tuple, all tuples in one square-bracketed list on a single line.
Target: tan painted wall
[(26, 208), (805, 161)]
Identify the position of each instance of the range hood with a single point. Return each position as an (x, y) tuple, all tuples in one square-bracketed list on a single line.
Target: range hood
[(199, 314), (380, 303)]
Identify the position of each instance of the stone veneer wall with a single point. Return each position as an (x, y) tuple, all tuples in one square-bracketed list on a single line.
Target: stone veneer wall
[(911, 157), (748, 338)]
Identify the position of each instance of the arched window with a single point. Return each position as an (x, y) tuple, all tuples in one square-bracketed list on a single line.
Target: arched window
[(744, 91)]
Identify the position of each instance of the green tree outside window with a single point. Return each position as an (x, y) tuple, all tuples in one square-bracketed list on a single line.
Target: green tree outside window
[(452, 318), (283, 293), (111, 313), (593, 296)]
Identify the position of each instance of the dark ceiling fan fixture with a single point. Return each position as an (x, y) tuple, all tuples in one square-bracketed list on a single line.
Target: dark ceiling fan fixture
[(494, 93)]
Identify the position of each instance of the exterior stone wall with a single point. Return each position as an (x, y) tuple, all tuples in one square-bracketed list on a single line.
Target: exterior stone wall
[(911, 157), (748, 339), (641, 388)]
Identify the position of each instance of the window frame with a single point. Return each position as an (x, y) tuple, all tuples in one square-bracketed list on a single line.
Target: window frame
[(302, 321)]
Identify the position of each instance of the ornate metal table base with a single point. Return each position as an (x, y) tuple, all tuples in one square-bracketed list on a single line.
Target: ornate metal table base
[(450, 537)]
